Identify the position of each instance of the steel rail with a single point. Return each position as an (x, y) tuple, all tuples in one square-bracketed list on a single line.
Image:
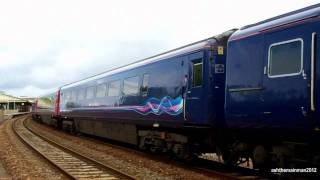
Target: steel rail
[(218, 169), (71, 163), (196, 167)]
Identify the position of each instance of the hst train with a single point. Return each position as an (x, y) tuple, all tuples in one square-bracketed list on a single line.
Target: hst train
[(246, 93)]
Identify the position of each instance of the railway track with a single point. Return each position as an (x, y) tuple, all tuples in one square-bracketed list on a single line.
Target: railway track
[(202, 166), (71, 163)]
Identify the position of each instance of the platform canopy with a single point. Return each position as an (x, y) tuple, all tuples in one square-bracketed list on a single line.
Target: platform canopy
[(5, 98), (9, 102)]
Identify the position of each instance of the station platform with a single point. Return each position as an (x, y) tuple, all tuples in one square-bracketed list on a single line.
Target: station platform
[(15, 114)]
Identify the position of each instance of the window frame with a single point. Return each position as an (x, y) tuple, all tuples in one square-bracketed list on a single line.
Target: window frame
[(67, 95), (74, 94), (105, 92), (138, 88), (119, 90), (194, 63), (93, 92), (281, 43), (84, 91), (144, 92)]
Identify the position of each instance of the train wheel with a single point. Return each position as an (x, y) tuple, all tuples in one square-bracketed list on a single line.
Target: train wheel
[(183, 152), (142, 144), (260, 157), (73, 129), (154, 149), (230, 158), (316, 161), (59, 123)]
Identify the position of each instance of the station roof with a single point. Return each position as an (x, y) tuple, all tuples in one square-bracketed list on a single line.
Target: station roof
[(5, 98)]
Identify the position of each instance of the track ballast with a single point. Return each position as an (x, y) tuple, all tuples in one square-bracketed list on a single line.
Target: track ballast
[(71, 163)]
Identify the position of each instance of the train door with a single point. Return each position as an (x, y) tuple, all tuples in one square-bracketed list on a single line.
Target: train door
[(286, 82), (194, 104), (315, 72)]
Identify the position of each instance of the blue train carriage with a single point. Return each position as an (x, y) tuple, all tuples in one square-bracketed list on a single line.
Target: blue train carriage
[(165, 102), (44, 108), (272, 82)]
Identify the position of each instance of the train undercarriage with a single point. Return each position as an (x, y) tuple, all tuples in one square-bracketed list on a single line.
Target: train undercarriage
[(282, 148), (234, 147)]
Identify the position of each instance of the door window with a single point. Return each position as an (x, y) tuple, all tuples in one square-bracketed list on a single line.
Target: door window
[(145, 83), (285, 58), (197, 74)]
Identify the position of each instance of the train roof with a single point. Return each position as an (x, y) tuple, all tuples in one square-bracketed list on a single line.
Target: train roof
[(175, 52), (47, 95), (278, 21)]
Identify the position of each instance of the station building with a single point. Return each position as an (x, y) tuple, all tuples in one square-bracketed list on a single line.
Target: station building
[(15, 104)]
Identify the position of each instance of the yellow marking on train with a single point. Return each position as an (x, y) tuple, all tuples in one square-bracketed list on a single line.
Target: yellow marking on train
[(220, 50)]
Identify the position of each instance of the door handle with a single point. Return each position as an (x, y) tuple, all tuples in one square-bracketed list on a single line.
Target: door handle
[(313, 71), (265, 70), (304, 75)]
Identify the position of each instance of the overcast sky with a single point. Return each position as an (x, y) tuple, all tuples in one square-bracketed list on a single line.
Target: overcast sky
[(45, 44)]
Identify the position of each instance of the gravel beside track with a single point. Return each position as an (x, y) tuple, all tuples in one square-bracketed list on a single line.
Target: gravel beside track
[(71, 163), (21, 162), (124, 159)]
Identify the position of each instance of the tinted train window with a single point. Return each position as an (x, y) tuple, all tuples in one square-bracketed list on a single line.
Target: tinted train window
[(90, 93), (67, 96), (101, 90), (82, 94), (74, 95), (114, 88), (131, 85), (197, 74), (62, 94), (285, 58), (145, 84)]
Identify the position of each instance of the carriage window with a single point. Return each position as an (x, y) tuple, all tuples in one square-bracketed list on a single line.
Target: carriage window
[(82, 94), (131, 85), (197, 74), (285, 59), (74, 95), (90, 93), (67, 96), (114, 88), (145, 83), (101, 90)]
